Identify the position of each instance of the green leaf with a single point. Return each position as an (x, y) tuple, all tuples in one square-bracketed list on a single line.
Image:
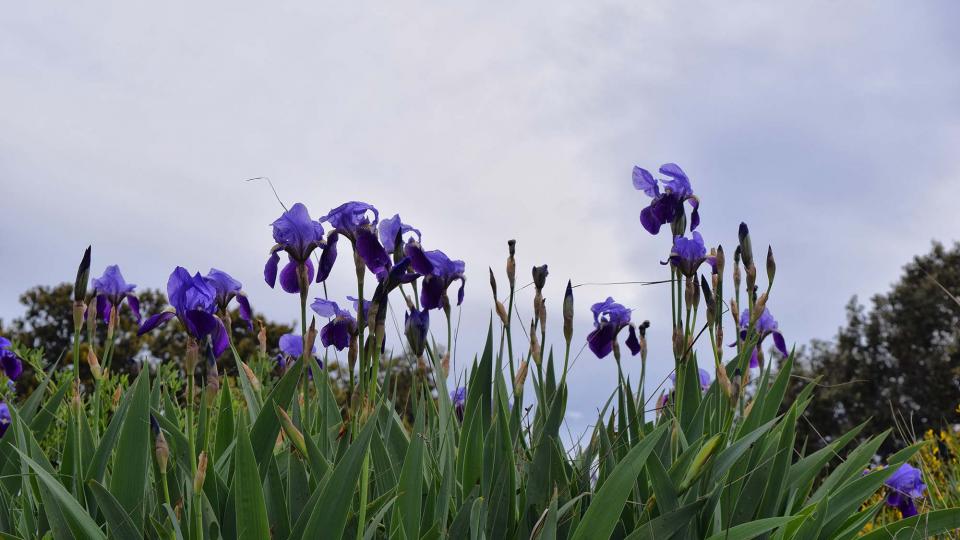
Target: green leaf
[(80, 522), (665, 525), (119, 522), (329, 516), (604, 511), (131, 465), (745, 531), (251, 510), (919, 526), (411, 480)]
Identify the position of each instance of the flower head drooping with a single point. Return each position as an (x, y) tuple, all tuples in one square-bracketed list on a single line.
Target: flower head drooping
[(4, 418), (688, 254), (416, 325), (609, 318), (111, 290), (194, 303), (766, 325), (459, 399), (11, 363), (667, 205), (905, 485), (297, 235), (341, 327), (439, 272), (228, 289)]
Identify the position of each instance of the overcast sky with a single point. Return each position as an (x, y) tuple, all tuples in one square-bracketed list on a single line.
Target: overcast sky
[(832, 128)]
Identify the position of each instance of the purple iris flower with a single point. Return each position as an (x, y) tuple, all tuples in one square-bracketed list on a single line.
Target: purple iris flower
[(341, 327), (609, 318), (292, 345), (227, 289), (766, 326), (667, 205), (4, 418), (298, 235), (11, 363), (194, 303), (352, 216), (416, 325), (688, 254), (392, 229), (111, 290), (905, 485), (703, 375), (459, 399), (439, 272)]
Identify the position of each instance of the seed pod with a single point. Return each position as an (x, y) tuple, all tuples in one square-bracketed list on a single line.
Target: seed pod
[(83, 278), (568, 313), (771, 266), (201, 472)]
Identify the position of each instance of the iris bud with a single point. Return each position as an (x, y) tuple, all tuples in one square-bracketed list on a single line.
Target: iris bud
[(262, 338), (512, 264), (502, 313), (352, 352), (83, 277), (294, 434), (746, 250), (94, 364), (445, 365), (201, 472), (568, 313), (534, 344), (251, 376), (193, 354), (721, 260), (700, 460), (771, 266), (520, 378), (758, 308), (161, 450), (708, 299), (493, 283), (311, 335)]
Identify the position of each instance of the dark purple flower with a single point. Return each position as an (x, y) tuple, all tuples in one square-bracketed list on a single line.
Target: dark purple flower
[(702, 374), (392, 229), (351, 216), (297, 235), (292, 345), (373, 255), (416, 325), (439, 272), (11, 363), (341, 327), (459, 399), (111, 290), (688, 254), (227, 289), (194, 303), (766, 326), (4, 418), (905, 485), (609, 318), (667, 205)]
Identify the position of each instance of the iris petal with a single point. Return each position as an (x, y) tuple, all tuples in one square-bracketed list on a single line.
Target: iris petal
[(270, 269)]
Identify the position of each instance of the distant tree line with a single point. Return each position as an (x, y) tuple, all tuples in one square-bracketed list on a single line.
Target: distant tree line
[(896, 362)]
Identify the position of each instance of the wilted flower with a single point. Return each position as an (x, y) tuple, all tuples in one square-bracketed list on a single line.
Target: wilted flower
[(392, 230), (194, 303), (11, 363), (766, 325), (459, 399), (111, 290), (342, 324), (665, 206), (416, 325), (298, 235), (609, 318), (688, 254), (227, 289), (4, 418), (905, 485), (438, 271)]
